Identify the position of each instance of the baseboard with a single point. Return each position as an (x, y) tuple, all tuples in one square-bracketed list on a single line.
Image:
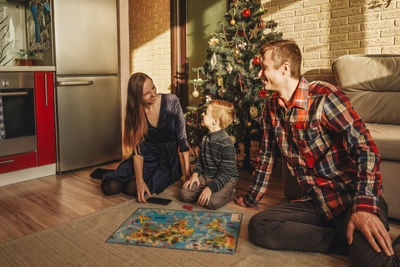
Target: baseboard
[(27, 174)]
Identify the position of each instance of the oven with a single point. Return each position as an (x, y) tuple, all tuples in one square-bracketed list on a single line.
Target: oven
[(17, 113)]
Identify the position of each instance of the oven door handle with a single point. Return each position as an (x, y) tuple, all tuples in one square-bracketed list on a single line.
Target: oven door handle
[(13, 94), (7, 161), (74, 83), (45, 89)]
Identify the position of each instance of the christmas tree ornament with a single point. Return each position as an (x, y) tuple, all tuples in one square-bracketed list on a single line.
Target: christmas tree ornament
[(213, 61), (236, 52), (232, 22), (253, 112), (233, 138), (256, 61), (248, 123), (220, 81), (208, 98), (221, 91), (246, 13), (213, 41), (195, 93), (229, 68)]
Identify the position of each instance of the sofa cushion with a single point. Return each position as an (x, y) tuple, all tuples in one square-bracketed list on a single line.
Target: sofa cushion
[(387, 138), (372, 83), (376, 106)]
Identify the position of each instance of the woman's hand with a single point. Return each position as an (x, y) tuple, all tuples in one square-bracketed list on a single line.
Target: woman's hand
[(205, 196), (142, 189), (192, 180)]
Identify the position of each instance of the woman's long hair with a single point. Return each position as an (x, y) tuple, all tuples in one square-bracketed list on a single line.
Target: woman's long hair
[(135, 120)]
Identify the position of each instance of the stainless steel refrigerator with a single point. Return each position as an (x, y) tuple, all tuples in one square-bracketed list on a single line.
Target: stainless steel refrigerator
[(87, 83)]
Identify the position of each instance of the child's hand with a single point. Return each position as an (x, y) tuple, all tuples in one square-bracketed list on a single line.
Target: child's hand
[(205, 196), (192, 180)]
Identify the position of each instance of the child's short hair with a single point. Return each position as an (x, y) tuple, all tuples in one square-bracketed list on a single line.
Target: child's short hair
[(222, 111)]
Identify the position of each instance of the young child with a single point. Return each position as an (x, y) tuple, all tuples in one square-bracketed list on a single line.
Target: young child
[(215, 175)]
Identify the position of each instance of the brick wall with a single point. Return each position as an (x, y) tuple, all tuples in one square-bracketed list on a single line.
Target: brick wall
[(327, 29), (150, 41)]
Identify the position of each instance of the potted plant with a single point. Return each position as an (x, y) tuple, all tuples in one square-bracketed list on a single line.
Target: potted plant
[(26, 57)]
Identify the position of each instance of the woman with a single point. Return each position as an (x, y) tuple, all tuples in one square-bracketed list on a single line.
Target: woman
[(154, 130)]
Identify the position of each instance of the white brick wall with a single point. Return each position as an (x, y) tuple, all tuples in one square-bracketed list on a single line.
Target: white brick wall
[(327, 29), (324, 30), (150, 40)]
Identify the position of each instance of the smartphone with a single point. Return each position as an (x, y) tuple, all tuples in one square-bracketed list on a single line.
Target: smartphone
[(158, 200)]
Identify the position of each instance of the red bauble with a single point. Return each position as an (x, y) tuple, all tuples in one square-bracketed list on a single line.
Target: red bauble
[(246, 13), (256, 61)]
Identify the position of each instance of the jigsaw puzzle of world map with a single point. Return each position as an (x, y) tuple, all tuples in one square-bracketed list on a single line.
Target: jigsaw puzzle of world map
[(180, 229)]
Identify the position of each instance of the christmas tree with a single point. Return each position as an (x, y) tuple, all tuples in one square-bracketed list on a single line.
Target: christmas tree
[(230, 71)]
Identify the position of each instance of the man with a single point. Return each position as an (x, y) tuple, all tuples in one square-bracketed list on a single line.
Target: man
[(336, 162)]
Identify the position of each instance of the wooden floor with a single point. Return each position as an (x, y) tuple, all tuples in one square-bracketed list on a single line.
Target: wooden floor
[(38, 204)]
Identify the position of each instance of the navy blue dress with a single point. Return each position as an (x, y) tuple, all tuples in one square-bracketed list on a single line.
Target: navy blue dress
[(161, 166)]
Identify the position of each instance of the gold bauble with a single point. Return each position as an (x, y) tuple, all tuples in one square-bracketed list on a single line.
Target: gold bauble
[(232, 22), (236, 52), (253, 112), (195, 93), (221, 91), (229, 68)]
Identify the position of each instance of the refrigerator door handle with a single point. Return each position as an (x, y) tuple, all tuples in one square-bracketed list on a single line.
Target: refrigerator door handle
[(74, 83)]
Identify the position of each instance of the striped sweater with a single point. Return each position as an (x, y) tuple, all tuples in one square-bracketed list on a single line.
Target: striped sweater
[(217, 160)]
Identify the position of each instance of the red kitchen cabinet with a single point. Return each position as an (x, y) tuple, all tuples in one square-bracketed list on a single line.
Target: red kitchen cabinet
[(44, 107), (17, 162)]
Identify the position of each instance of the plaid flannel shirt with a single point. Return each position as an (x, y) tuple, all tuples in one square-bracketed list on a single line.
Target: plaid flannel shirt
[(326, 146)]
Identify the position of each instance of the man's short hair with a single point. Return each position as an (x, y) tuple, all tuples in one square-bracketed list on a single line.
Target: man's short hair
[(284, 51), (222, 111)]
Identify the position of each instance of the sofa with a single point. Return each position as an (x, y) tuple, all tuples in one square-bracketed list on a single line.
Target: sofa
[(372, 82)]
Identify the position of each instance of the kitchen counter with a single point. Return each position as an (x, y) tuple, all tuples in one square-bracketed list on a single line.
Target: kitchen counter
[(26, 68)]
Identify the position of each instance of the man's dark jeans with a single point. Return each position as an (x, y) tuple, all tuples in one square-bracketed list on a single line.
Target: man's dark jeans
[(297, 226)]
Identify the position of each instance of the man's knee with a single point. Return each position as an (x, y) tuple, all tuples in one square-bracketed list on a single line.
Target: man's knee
[(260, 229)]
